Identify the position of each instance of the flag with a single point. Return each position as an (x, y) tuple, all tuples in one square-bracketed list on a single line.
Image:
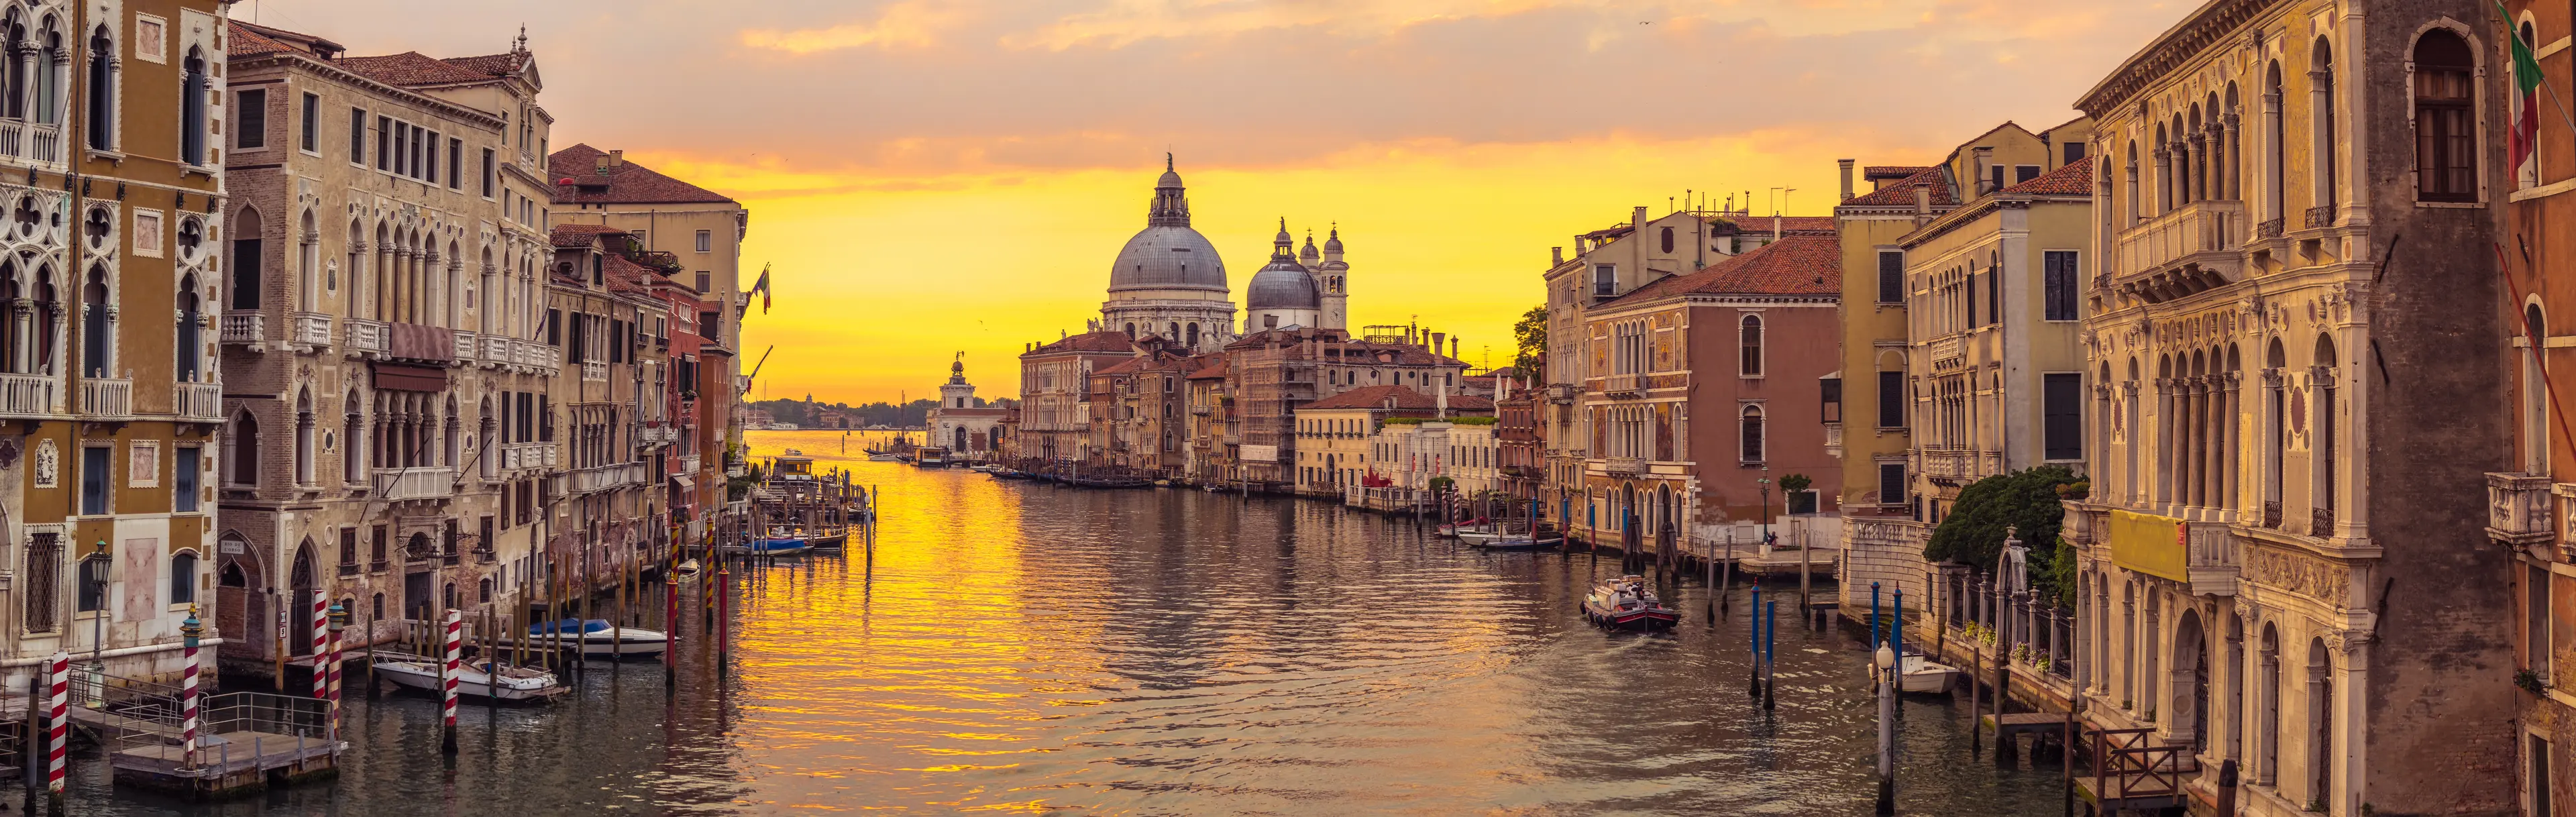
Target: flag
[(762, 287), (2524, 139)]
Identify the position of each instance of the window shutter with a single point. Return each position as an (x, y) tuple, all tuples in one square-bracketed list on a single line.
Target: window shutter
[(1891, 399), (2062, 416), (1891, 277)]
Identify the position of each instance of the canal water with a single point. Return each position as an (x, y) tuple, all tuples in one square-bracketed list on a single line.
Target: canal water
[(1014, 647)]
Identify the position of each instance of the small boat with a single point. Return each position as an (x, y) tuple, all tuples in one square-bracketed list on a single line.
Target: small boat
[(1523, 541), (1627, 603), (687, 568), (777, 545), (886, 457), (597, 637), (1455, 530), (986, 468), (480, 679), (1922, 675)]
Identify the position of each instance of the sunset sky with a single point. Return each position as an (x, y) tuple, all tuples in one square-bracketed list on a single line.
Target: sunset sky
[(936, 176)]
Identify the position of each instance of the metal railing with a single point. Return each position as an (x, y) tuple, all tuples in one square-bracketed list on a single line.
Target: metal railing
[(2144, 768), (2321, 522)]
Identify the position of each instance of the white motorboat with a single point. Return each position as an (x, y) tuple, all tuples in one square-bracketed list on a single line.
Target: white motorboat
[(687, 568), (1924, 676), (477, 679), (597, 638)]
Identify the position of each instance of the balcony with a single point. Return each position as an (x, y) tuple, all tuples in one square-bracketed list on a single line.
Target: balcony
[(1629, 466), (659, 435), (244, 328), (2188, 250), (520, 456), (106, 398), (689, 465), (28, 396), (200, 402), (2518, 509), (2321, 522), (311, 329), (369, 338), (1948, 350), (2212, 558), (594, 371), (468, 347), (1961, 466), (496, 351), (1622, 385), (45, 143), (12, 131), (604, 477), (421, 483)]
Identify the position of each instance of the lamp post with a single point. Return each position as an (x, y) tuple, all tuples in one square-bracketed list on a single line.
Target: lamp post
[(1886, 730), (1765, 482), (98, 631)]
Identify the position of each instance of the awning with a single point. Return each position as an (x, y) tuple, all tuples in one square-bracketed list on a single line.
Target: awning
[(399, 377), (2148, 544), (685, 483)]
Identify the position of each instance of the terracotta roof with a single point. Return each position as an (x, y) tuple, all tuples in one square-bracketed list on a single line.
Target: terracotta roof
[(1799, 264), (1121, 367), (1090, 342), (2071, 179), (1761, 225), (1369, 397), (1213, 366), (1891, 171), (627, 276), (491, 65), (576, 172), (580, 235), (1901, 193), (409, 69)]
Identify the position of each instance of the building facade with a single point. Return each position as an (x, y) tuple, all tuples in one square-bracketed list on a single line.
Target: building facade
[(2279, 416), (962, 423), (1334, 433), (1168, 281)]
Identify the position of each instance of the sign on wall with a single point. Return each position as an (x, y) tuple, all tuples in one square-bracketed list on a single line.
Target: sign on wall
[(1260, 453)]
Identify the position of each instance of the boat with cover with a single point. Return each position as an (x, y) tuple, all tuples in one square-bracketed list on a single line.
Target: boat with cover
[(599, 638), (479, 679), (1524, 540), (1459, 530), (779, 543), (1922, 675), (1627, 603)]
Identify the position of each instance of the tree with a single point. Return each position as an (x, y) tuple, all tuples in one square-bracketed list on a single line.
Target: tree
[(1973, 533), (1531, 332)]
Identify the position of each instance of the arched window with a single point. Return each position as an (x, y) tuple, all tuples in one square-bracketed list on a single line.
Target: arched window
[(2322, 402), (95, 332), (190, 348), (2446, 149), (49, 80), (102, 90), (2130, 195), (1753, 442), (183, 578), (245, 454), (2321, 108), (192, 108), (247, 259), (304, 438), (2535, 393), (2275, 363), (1193, 331), (1750, 340), (15, 106), (1668, 239), (2275, 147), (308, 266)]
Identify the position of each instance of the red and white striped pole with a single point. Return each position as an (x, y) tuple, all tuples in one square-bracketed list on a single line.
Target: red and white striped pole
[(190, 631), (447, 677), (339, 618), (321, 646), (58, 723)]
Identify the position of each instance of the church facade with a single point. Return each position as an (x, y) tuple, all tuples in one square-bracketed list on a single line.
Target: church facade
[(958, 422)]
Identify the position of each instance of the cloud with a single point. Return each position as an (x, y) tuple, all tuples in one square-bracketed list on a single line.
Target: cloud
[(910, 24)]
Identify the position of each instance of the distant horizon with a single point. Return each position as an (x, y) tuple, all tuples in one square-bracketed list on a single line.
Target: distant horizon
[(926, 178)]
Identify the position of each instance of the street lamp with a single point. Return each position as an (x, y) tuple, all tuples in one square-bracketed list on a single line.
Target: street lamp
[(1886, 659), (1764, 482)]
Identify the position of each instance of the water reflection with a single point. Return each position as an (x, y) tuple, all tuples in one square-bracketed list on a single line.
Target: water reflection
[(1013, 647)]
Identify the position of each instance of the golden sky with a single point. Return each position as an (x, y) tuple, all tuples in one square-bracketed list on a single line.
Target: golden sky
[(936, 176)]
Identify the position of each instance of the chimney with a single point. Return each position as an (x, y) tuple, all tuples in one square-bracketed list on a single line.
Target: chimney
[(1556, 256), (1436, 338), (1985, 158), (1641, 220), (600, 165), (1847, 179), (1922, 202), (1775, 228), (1453, 348), (616, 159)]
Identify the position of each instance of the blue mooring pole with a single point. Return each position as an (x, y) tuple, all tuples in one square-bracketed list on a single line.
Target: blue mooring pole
[(1755, 688), (1770, 641), (1873, 617)]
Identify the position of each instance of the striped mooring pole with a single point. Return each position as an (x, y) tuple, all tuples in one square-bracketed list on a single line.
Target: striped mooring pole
[(447, 679), (191, 631), (58, 724), (338, 618), (321, 647)]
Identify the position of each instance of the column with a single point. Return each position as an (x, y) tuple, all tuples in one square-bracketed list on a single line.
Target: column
[(2164, 440), (2235, 160), (2195, 185), (2271, 168), (2322, 132)]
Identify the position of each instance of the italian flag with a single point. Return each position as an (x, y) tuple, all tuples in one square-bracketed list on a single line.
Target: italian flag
[(2525, 139)]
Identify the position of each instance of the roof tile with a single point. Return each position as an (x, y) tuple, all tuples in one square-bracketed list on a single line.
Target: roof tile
[(578, 181), (2070, 179), (1901, 193), (1797, 264)]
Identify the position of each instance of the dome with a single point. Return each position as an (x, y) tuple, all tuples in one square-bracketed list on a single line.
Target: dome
[(1281, 285), (1168, 257)]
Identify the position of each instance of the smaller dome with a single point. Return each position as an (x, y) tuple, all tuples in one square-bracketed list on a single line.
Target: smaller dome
[(1334, 242), (1282, 285), (1308, 254)]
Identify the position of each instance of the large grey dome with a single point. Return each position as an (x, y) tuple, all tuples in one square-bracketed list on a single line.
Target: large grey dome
[(1168, 257), (1282, 285)]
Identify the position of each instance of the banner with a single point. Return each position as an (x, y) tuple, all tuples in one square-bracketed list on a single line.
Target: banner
[(2148, 544)]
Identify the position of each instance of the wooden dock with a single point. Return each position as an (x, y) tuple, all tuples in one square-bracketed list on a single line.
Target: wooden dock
[(228, 765)]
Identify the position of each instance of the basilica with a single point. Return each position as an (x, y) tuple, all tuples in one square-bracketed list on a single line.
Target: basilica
[(1169, 282)]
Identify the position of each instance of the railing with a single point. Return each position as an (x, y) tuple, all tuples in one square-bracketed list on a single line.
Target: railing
[(2201, 226), (348, 569), (1962, 465), (496, 350), (244, 327), (689, 464), (368, 337), (2143, 768), (2518, 508), (516, 456), (1624, 465), (2211, 558), (467, 347), (2321, 216), (47, 146), (12, 131), (595, 371), (1618, 384), (27, 395), (2269, 228), (423, 482), (2272, 514), (603, 477), (2321, 522), (202, 402), (106, 397), (1947, 350), (660, 434), (311, 329)]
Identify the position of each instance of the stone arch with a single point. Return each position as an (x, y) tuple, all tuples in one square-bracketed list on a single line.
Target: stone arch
[(2187, 682)]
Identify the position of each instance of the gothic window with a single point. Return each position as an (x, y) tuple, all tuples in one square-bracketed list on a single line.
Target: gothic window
[(2535, 392), (102, 90), (2321, 104), (2445, 132), (1752, 433), (95, 330), (189, 348), (1751, 346), (192, 109), (245, 454), (183, 578), (246, 261)]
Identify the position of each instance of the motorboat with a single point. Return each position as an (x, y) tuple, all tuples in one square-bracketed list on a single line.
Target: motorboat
[(782, 545), (984, 468), (1459, 530), (601, 639), (479, 679), (686, 569), (1922, 675), (1626, 603), (885, 457), (1541, 540)]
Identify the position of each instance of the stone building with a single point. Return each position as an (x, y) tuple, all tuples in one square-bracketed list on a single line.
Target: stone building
[(1333, 433), (1736, 347), (605, 517), (1168, 281), (2274, 565), (702, 231), (376, 331), (1055, 395), (961, 423), (1270, 374)]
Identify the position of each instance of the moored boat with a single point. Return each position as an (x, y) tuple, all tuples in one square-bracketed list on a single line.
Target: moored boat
[(600, 638), (1627, 603), (1922, 675), (478, 679), (1541, 540)]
